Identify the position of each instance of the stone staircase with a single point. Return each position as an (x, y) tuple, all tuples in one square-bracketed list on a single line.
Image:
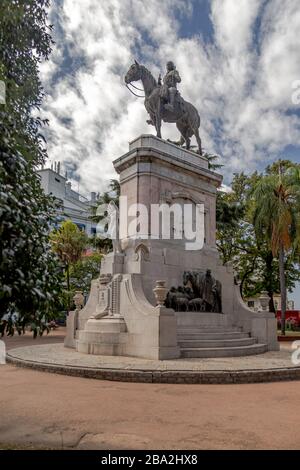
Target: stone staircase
[(208, 335)]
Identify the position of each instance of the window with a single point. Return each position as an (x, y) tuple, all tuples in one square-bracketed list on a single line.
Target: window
[(251, 303), (80, 226)]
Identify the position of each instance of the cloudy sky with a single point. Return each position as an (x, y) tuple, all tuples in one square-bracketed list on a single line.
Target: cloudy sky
[(238, 60)]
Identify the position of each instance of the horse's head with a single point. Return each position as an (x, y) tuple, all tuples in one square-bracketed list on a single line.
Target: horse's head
[(134, 73)]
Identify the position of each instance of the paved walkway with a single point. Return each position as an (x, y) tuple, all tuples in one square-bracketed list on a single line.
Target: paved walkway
[(16, 341), (57, 354), (49, 410)]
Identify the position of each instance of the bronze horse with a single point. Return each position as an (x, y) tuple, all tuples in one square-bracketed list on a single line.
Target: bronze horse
[(185, 115)]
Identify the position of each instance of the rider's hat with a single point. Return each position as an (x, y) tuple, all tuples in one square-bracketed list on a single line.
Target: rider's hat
[(171, 64)]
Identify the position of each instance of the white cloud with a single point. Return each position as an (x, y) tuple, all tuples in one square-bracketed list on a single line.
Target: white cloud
[(233, 22), (241, 82)]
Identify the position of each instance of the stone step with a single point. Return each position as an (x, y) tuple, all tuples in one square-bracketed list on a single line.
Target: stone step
[(216, 343), (214, 335), (194, 333), (202, 320), (224, 352), (208, 329)]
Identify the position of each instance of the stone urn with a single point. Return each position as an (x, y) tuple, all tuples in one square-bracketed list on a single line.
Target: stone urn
[(264, 301), (78, 299), (160, 292)]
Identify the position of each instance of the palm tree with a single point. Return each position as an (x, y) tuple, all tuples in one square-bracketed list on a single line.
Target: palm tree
[(211, 157), (115, 189), (212, 161), (68, 242), (293, 174), (112, 195), (106, 197), (276, 217)]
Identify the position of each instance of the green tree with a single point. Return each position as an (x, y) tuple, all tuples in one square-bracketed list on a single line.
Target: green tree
[(213, 163), (293, 174), (248, 249), (68, 242), (29, 271), (276, 214), (228, 215), (112, 195), (84, 271)]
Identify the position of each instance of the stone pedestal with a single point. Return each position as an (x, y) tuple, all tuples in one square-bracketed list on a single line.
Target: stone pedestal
[(158, 172), (106, 337), (121, 316)]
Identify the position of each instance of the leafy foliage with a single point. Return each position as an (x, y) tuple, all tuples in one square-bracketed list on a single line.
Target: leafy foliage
[(30, 275), (84, 271), (81, 273), (275, 217), (112, 195), (249, 246), (213, 163), (68, 242)]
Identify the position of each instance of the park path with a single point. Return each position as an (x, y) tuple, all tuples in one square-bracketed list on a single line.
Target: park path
[(39, 409), (16, 341)]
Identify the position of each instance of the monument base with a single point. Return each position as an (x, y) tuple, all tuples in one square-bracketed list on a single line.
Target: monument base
[(121, 316), (105, 337)]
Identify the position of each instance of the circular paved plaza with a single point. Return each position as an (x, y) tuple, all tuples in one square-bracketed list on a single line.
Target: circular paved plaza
[(267, 367)]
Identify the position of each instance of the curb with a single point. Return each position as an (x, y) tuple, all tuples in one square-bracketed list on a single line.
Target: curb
[(171, 377), (288, 339)]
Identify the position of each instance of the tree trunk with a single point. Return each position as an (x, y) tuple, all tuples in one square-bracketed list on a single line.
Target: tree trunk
[(282, 288), (269, 280), (271, 302)]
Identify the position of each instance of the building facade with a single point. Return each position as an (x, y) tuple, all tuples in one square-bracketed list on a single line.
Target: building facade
[(254, 303), (74, 206)]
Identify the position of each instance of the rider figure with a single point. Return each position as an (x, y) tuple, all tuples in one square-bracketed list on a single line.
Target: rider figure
[(171, 79)]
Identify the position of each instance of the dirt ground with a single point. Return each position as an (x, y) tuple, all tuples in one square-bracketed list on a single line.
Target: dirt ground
[(39, 409)]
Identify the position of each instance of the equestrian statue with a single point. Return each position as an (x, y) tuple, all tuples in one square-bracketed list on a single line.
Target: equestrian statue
[(163, 102)]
